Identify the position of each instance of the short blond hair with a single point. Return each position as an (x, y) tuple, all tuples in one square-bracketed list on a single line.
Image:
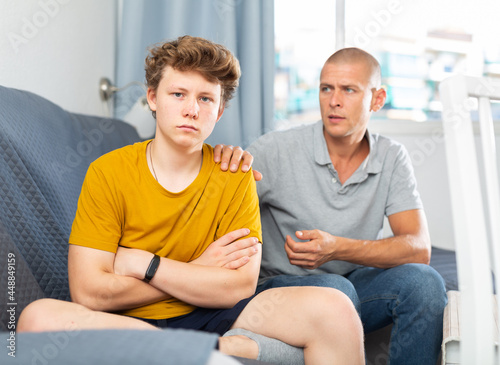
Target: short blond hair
[(353, 54)]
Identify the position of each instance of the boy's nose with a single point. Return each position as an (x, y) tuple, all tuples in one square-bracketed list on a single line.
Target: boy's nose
[(191, 109)]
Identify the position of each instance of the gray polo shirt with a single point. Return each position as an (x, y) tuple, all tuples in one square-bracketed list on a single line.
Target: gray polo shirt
[(301, 191)]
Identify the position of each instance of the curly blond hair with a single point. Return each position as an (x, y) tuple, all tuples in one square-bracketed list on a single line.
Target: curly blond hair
[(214, 61)]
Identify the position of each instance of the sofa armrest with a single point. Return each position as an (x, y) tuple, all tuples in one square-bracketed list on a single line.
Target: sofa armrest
[(120, 347)]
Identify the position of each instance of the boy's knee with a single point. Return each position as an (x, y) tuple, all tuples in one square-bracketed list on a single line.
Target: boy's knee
[(336, 308), (40, 315), (32, 315), (344, 286), (348, 289), (345, 316)]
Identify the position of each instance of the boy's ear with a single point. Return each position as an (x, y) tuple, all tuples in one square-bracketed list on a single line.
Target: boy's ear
[(221, 111), (151, 97)]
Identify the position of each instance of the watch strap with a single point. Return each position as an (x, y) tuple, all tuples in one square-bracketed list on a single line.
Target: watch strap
[(152, 268)]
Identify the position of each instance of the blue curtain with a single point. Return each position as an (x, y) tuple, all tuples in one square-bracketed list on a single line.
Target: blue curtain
[(246, 27)]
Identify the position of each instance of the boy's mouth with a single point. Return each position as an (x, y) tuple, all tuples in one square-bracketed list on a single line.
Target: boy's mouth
[(187, 127)]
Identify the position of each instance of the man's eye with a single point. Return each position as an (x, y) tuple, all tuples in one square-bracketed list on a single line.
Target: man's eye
[(349, 90), (205, 99), (325, 89), (177, 95)]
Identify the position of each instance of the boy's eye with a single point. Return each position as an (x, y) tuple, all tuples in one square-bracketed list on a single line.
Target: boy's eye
[(205, 99), (177, 95)]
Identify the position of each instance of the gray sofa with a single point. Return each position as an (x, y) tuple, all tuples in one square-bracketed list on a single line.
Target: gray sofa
[(44, 154)]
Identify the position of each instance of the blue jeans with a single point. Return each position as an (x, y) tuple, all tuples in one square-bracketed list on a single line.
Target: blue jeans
[(411, 296)]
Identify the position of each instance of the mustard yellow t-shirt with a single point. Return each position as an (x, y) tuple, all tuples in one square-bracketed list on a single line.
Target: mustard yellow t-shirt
[(121, 203)]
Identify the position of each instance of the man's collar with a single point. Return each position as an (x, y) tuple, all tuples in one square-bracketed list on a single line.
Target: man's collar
[(321, 155), (371, 164)]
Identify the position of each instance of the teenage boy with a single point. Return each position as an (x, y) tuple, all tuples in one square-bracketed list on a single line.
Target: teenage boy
[(162, 237)]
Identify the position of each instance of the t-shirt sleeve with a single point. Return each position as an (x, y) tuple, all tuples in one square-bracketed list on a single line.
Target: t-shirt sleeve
[(97, 220), (243, 210), (403, 194)]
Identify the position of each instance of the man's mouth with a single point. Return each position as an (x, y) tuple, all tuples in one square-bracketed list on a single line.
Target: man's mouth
[(335, 117)]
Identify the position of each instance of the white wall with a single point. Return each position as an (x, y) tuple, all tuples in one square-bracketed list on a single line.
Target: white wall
[(425, 144), (59, 49)]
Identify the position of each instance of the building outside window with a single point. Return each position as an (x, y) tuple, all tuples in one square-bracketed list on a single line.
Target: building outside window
[(417, 43)]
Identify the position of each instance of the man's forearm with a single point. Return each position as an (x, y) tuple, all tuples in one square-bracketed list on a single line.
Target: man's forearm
[(411, 243), (321, 247), (385, 253)]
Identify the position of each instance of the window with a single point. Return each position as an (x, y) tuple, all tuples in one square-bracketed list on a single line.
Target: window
[(304, 39), (418, 44)]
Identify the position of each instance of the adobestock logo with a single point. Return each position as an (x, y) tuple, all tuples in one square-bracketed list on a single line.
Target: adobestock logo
[(30, 27), (222, 7), (380, 20)]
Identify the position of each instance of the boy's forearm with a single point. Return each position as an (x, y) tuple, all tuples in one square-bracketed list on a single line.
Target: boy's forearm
[(207, 286), (116, 293), (94, 284), (203, 286)]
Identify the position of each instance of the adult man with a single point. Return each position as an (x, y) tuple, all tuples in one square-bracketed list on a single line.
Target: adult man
[(163, 238), (329, 185)]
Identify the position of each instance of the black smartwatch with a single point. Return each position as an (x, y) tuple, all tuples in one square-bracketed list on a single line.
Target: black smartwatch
[(152, 268)]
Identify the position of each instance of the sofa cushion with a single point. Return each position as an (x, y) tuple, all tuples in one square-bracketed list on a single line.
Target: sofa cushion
[(113, 347), (44, 154)]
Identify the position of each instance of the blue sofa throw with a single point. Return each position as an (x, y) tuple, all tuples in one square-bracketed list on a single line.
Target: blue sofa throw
[(44, 154)]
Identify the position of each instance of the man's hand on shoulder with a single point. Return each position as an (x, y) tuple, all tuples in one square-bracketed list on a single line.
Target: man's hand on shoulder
[(318, 248), (230, 156)]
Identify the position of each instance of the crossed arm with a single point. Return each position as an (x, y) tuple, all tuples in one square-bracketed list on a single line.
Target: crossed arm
[(224, 274)]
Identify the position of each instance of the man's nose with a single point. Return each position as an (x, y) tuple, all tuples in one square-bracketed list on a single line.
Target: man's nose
[(335, 99)]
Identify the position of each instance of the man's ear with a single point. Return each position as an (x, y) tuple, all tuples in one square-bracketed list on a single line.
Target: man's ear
[(378, 99), (151, 96)]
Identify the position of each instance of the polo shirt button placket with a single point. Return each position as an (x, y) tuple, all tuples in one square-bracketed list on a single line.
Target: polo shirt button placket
[(335, 181)]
